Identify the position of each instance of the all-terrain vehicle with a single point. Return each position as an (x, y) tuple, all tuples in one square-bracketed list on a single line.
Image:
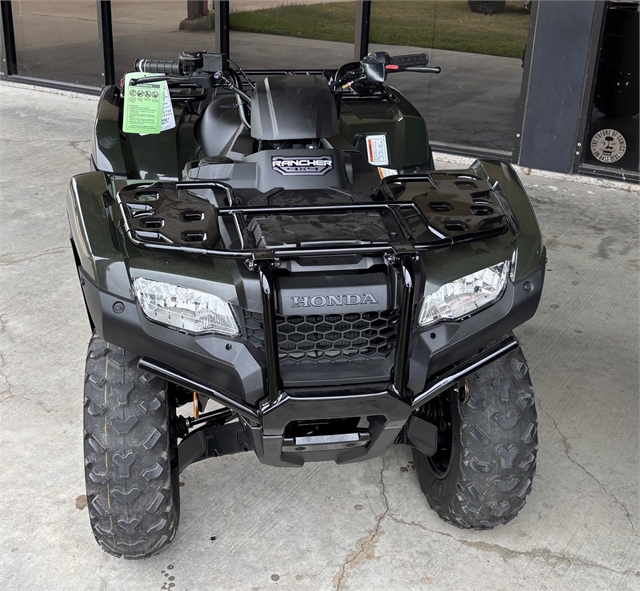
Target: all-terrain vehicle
[(287, 252)]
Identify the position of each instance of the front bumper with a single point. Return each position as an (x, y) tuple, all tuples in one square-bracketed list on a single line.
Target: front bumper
[(225, 369)]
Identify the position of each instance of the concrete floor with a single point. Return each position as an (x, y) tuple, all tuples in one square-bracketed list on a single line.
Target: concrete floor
[(360, 527)]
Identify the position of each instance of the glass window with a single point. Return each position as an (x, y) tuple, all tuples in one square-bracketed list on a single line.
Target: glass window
[(474, 100), (58, 40), (159, 30), (300, 35), (612, 133)]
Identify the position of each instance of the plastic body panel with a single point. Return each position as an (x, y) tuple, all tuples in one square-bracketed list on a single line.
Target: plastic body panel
[(164, 156), (293, 108), (148, 157), (395, 116)]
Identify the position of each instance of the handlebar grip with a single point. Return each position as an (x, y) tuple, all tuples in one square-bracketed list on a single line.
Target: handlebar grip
[(169, 67), (413, 59)]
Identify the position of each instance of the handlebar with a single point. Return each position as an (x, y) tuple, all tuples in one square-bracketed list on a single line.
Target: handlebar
[(412, 59), (172, 68), (208, 70)]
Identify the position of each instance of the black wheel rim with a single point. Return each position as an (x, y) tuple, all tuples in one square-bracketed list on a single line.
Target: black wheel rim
[(439, 412)]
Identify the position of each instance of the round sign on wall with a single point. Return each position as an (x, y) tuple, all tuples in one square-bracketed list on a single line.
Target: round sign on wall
[(608, 145)]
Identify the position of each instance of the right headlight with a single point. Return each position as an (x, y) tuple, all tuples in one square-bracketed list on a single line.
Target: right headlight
[(464, 296)]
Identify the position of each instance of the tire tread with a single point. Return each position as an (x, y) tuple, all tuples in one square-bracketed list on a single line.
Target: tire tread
[(495, 461), (127, 450)]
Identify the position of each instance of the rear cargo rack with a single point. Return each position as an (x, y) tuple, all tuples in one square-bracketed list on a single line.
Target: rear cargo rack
[(429, 212)]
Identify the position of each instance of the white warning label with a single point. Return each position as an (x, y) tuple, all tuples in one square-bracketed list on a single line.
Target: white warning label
[(385, 172), (377, 152)]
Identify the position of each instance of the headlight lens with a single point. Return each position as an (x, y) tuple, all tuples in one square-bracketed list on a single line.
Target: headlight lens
[(464, 296), (185, 308)]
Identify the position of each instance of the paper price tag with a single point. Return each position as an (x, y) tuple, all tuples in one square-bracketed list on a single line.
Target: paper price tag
[(168, 118), (377, 152), (143, 105)]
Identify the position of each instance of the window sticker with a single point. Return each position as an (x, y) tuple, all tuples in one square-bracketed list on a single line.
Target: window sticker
[(608, 146)]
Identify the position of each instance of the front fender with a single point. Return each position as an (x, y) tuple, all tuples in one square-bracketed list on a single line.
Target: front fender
[(93, 233)]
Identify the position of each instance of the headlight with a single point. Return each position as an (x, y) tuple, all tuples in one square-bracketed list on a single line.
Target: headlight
[(185, 308), (464, 296)]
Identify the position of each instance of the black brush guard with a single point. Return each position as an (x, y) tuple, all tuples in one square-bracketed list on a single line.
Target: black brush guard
[(262, 427)]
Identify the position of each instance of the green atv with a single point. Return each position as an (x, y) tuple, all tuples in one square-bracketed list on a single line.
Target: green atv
[(284, 263)]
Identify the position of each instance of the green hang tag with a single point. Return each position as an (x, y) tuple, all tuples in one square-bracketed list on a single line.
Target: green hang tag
[(142, 105)]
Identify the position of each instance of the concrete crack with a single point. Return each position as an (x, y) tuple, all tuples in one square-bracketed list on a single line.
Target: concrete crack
[(542, 553), (5, 392), (7, 259), (567, 449), (365, 546), (77, 148)]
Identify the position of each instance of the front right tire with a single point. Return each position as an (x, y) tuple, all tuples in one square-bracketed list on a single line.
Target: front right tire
[(487, 446), (131, 467)]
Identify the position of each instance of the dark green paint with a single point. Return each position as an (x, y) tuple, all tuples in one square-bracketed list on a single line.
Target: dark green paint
[(111, 260), (406, 131), (149, 157)]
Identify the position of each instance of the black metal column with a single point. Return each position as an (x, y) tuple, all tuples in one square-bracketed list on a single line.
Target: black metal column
[(10, 64), (221, 21), (105, 32), (558, 66), (363, 23)]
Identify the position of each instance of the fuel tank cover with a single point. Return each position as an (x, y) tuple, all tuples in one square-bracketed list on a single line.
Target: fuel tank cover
[(293, 108)]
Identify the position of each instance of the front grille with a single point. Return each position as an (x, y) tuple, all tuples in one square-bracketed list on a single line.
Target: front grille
[(330, 338)]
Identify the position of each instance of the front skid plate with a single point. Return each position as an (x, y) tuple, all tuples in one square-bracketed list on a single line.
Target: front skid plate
[(386, 413)]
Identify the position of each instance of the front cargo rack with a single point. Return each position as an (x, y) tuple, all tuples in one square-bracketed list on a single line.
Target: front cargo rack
[(420, 212)]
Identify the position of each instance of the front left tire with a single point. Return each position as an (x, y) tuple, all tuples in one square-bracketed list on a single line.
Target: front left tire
[(131, 469)]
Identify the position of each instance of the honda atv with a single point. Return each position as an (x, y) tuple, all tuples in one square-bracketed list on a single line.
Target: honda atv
[(281, 260)]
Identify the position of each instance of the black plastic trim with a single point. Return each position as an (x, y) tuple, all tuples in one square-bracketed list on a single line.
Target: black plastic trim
[(220, 363)]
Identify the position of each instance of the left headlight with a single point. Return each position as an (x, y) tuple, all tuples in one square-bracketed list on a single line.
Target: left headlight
[(185, 308), (464, 296)]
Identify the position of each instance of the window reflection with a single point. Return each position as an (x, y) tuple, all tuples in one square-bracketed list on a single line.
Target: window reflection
[(144, 29), (306, 34), (474, 101), (58, 40)]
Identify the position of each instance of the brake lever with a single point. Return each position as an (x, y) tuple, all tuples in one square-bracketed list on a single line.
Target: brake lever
[(393, 68), (150, 79)]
